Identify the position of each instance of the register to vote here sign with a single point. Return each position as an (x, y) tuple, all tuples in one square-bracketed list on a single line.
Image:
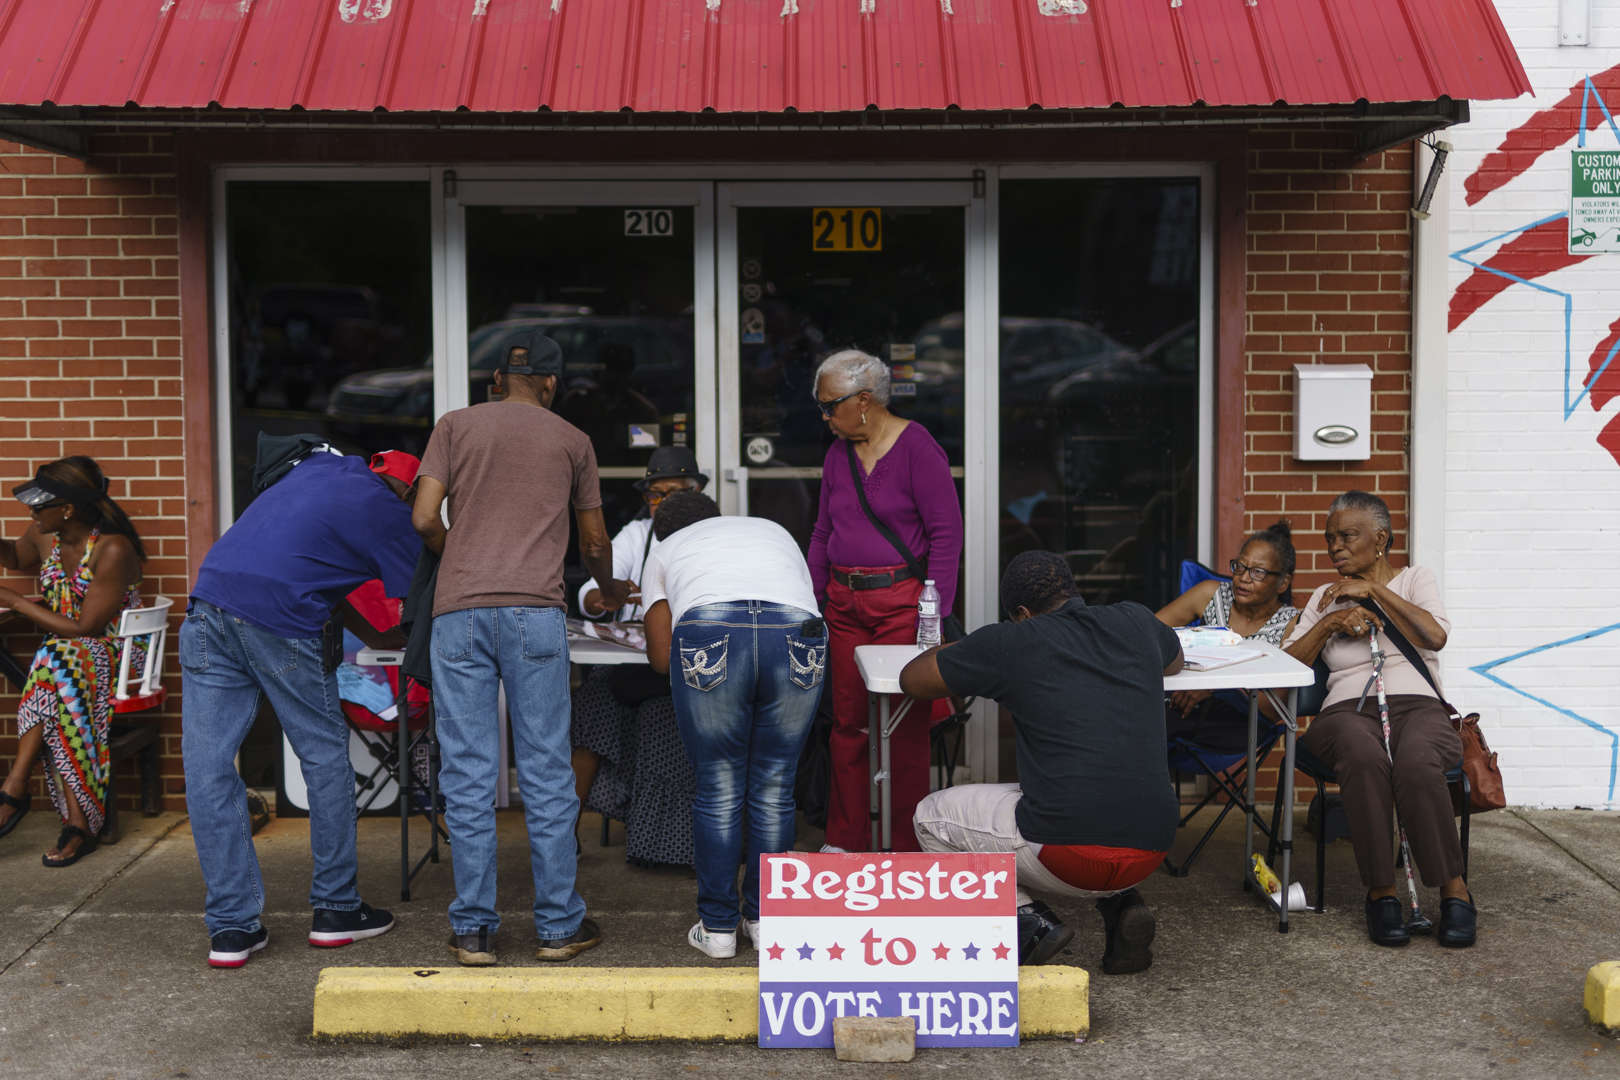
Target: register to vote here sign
[(934, 936)]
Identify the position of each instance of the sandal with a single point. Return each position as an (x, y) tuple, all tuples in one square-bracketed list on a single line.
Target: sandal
[(87, 844), (19, 805)]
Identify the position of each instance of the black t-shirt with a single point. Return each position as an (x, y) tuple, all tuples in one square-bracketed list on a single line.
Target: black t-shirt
[(1086, 688)]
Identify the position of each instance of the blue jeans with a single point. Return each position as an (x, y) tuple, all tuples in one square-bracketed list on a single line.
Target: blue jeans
[(746, 680), (526, 649), (227, 664)]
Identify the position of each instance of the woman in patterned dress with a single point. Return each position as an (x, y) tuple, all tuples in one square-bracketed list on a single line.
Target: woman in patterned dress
[(89, 560), (1256, 604)]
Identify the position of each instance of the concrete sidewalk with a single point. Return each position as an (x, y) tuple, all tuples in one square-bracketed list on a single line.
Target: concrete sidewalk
[(102, 968)]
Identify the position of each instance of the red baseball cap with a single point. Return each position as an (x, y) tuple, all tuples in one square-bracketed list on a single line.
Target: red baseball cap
[(396, 463)]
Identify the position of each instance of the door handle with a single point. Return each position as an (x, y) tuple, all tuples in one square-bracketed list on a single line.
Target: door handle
[(738, 474)]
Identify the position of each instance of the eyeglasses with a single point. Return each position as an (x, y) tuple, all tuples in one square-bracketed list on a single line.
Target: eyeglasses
[(829, 407), (654, 496), (1253, 573)]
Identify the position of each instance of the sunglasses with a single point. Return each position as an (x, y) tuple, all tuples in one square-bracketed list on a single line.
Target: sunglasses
[(829, 407)]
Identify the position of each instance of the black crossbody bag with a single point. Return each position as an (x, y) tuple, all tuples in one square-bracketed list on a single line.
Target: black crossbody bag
[(950, 627)]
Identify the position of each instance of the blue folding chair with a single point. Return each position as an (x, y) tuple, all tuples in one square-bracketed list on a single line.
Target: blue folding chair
[(1225, 768)]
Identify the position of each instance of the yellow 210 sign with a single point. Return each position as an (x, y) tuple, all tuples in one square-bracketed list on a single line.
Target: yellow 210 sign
[(846, 228)]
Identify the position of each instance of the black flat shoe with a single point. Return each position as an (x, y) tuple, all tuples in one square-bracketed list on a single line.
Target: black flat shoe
[(1386, 922), (19, 805), (1457, 922), (87, 844)]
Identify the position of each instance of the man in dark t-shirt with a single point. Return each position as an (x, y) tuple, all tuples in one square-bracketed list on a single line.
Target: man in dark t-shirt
[(1093, 813)]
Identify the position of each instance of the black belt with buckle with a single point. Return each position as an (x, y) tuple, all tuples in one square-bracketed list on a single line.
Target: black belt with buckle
[(862, 582)]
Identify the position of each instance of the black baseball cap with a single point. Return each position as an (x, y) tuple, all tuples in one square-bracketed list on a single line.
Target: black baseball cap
[(545, 356)]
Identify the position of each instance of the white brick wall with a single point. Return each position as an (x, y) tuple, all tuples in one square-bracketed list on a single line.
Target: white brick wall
[(1532, 500)]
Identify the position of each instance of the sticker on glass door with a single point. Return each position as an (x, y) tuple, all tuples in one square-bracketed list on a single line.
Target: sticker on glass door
[(846, 228)]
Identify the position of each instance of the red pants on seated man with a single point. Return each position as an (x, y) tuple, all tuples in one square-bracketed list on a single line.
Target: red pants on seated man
[(1093, 814)]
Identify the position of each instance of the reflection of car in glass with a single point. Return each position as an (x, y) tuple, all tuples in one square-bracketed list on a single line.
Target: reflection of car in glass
[(661, 350), (1035, 354), (310, 336)]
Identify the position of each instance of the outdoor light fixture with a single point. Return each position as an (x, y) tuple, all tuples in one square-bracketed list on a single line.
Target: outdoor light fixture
[(1421, 209)]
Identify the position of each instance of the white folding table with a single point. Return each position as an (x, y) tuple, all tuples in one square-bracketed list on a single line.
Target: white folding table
[(1273, 670)]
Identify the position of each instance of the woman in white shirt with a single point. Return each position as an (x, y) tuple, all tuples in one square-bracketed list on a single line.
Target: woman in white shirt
[(1346, 734), (731, 599), (627, 755)]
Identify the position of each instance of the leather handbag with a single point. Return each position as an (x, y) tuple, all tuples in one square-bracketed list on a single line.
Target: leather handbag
[(1479, 760), (950, 627)]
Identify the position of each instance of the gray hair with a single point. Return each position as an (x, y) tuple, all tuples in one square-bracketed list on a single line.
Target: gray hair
[(1368, 503), (855, 370)]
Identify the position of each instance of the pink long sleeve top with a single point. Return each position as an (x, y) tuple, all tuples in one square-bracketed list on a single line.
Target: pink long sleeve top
[(912, 491)]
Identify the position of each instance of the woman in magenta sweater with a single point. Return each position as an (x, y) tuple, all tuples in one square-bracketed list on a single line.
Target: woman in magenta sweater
[(867, 592)]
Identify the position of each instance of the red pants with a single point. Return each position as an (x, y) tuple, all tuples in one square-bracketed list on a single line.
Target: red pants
[(885, 616)]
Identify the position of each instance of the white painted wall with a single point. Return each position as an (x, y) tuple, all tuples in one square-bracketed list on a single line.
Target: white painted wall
[(1532, 502)]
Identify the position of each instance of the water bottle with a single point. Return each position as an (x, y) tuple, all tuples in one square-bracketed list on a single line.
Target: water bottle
[(928, 616)]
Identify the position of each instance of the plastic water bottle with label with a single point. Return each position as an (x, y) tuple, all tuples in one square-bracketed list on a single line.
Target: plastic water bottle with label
[(928, 616)]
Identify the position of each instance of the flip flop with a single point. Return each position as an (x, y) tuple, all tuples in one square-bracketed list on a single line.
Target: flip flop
[(87, 844), (20, 805)]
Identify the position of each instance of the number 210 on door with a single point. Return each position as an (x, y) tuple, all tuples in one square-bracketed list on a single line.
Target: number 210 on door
[(846, 228)]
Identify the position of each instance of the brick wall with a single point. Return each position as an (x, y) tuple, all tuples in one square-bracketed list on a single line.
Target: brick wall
[(1329, 269), (90, 363), (1329, 281)]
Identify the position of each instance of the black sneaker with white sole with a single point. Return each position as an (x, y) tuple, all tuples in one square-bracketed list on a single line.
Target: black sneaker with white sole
[(1041, 934), (334, 928), (231, 948)]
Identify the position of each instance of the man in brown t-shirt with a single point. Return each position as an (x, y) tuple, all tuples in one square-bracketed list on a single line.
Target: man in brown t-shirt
[(510, 469)]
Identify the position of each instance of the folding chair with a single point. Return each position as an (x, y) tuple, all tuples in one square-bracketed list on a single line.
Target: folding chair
[(394, 763), (946, 739), (1188, 757), (142, 634), (1226, 770)]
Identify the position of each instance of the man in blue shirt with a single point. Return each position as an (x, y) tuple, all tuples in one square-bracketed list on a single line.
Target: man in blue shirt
[(265, 596)]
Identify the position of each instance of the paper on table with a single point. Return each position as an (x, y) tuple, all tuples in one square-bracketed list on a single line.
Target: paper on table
[(1208, 659)]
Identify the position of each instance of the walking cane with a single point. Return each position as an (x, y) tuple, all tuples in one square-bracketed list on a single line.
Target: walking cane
[(1419, 923)]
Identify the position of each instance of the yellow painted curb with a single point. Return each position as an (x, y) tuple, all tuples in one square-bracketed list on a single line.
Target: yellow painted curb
[(1603, 995), (683, 1003)]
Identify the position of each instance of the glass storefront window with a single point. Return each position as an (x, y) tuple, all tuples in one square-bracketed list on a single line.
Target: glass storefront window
[(330, 316), (613, 287), (1099, 379)]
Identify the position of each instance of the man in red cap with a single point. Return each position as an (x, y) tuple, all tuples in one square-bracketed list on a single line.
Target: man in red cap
[(264, 620)]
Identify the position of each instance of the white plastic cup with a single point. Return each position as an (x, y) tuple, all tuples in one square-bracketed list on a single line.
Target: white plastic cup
[(1296, 898)]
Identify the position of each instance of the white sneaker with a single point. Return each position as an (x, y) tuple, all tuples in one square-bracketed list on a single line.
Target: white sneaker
[(750, 929), (721, 946), (832, 849)]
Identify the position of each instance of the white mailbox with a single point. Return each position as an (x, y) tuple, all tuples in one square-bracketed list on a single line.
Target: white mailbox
[(1332, 412)]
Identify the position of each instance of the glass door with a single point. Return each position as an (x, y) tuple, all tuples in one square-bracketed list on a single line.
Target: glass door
[(806, 269), (619, 275)]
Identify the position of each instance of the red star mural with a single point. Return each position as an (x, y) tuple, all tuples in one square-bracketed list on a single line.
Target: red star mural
[(942, 952), (775, 952), (1001, 952)]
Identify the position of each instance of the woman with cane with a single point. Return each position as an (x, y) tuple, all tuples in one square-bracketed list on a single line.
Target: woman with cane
[(1410, 774)]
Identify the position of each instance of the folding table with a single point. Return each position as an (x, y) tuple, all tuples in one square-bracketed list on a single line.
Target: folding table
[(1273, 670)]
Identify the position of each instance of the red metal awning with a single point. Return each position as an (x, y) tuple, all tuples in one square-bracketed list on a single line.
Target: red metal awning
[(748, 56)]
